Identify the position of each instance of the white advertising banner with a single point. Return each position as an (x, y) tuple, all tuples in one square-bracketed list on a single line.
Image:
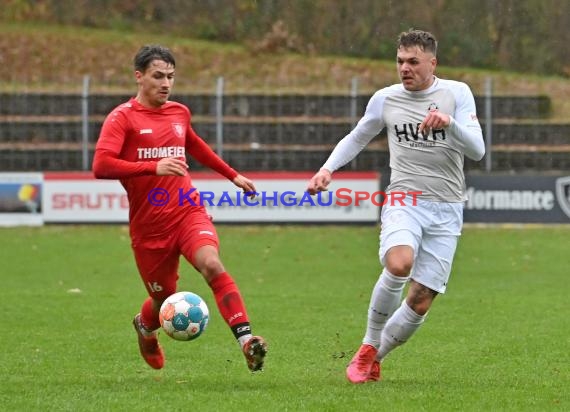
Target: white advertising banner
[(281, 197), (21, 199), (78, 197)]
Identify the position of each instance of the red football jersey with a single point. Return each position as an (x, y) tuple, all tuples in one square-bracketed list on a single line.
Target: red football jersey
[(132, 140)]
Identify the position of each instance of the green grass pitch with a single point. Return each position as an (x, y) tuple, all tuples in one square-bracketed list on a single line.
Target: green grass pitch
[(498, 340)]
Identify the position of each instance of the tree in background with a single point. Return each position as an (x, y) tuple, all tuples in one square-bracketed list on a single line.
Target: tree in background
[(519, 35)]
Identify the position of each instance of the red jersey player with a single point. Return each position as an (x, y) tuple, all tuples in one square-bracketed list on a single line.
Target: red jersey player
[(143, 143)]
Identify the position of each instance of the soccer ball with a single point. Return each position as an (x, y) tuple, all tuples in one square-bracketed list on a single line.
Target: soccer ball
[(184, 316)]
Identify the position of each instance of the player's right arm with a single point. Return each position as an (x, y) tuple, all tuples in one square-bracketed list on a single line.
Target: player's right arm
[(108, 165), (107, 161), (320, 181), (351, 145)]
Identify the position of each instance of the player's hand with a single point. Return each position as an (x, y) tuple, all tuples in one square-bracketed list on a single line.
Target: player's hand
[(319, 182), (245, 184), (434, 120), (171, 166)]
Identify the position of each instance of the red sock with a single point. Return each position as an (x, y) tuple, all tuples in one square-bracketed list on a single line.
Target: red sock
[(149, 317), (230, 304)]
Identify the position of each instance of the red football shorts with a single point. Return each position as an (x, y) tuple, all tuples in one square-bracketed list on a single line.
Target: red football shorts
[(158, 257)]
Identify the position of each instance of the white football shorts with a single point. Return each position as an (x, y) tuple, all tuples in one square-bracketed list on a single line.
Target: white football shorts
[(432, 229)]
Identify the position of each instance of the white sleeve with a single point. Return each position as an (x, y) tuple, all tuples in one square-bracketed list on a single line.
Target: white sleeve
[(352, 144), (465, 126)]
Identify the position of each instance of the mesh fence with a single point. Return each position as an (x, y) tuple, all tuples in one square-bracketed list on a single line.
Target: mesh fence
[(264, 131)]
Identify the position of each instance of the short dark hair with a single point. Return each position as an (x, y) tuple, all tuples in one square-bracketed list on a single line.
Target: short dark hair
[(423, 39), (148, 53)]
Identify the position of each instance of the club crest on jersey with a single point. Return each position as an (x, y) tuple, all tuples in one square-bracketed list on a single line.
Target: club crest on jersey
[(432, 106), (178, 129)]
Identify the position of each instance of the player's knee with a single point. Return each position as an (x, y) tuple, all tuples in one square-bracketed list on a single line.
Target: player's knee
[(400, 267), (157, 301), (207, 261), (399, 260), (211, 266), (160, 296)]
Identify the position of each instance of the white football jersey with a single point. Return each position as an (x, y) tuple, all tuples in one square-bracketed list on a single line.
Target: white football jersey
[(429, 163)]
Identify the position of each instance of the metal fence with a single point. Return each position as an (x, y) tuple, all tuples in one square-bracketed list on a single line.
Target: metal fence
[(54, 131)]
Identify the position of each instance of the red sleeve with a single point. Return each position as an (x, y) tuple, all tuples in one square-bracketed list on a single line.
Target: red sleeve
[(106, 162), (199, 150), (107, 165)]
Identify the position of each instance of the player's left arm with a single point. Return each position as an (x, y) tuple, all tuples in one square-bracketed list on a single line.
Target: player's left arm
[(463, 126), (245, 184), (199, 150)]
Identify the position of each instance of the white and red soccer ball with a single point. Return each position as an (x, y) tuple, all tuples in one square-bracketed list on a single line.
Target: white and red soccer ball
[(184, 316)]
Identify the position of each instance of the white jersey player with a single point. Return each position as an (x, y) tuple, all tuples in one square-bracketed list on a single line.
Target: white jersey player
[(431, 125)]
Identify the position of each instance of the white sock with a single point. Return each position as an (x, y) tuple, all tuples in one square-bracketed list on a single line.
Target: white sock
[(399, 329), (242, 340), (385, 299)]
